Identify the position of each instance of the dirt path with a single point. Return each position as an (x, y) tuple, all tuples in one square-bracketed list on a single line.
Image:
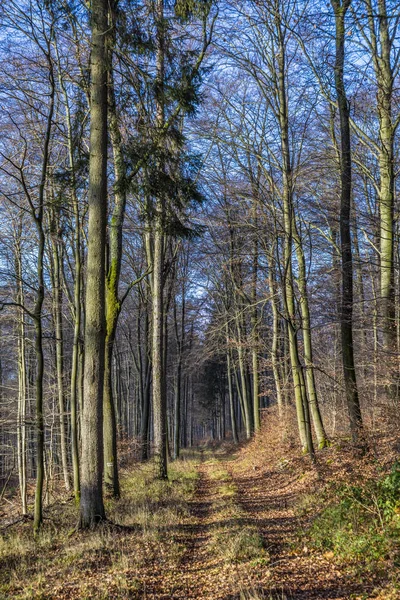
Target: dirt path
[(267, 496), (202, 575), (196, 568), (230, 539)]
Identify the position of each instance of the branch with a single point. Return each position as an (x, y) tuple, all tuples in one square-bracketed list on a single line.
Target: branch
[(133, 283), (28, 312)]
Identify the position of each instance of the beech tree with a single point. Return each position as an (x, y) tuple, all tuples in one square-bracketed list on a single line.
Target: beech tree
[(340, 10), (91, 502)]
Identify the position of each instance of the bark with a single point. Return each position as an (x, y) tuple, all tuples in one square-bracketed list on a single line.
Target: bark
[(245, 392), (255, 325), (76, 351), (230, 392), (381, 47), (77, 289), (275, 338), (179, 338), (302, 405), (37, 312), (146, 384), (307, 341), (340, 8), (91, 505), (113, 303), (22, 377), (159, 398), (59, 331)]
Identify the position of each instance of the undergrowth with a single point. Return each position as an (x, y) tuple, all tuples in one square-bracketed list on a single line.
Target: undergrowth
[(105, 562), (360, 525)]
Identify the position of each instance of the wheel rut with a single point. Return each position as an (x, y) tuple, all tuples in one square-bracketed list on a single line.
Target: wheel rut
[(202, 574)]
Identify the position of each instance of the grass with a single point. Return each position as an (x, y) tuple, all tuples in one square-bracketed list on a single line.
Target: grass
[(109, 561), (233, 540), (239, 543), (259, 594), (227, 490)]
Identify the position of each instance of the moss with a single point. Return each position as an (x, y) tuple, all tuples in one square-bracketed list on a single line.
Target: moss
[(112, 301), (324, 443), (185, 9)]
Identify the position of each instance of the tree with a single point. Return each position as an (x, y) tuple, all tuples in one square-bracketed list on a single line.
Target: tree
[(91, 503), (340, 8)]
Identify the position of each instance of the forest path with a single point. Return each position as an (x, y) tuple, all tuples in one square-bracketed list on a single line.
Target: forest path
[(221, 528), (268, 495), (238, 539), (203, 574)]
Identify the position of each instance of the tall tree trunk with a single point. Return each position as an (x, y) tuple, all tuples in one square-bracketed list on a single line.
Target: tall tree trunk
[(230, 391), (37, 312), (275, 337), (159, 398), (113, 304), (308, 351), (59, 331), (38, 510), (91, 506), (382, 62), (179, 338), (245, 392), (76, 351), (302, 406), (340, 8), (146, 384), (22, 383), (254, 321), (77, 286)]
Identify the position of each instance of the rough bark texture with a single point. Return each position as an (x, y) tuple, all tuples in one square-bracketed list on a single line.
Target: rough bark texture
[(254, 325), (384, 77), (37, 313), (307, 341), (230, 390), (77, 290), (22, 380), (159, 400)]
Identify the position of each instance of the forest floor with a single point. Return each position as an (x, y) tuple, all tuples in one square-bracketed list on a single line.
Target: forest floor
[(229, 524)]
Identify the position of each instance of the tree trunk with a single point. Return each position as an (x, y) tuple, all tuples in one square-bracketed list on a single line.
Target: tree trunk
[(159, 398), (302, 406), (245, 392), (254, 323), (92, 507), (308, 352), (113, 304), (230, 392), (275, 338), (340, 8), (22, 383), (77, 289), (37, 312), (58, 324)]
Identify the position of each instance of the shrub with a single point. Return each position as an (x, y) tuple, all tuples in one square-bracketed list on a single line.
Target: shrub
[(362, 525)]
